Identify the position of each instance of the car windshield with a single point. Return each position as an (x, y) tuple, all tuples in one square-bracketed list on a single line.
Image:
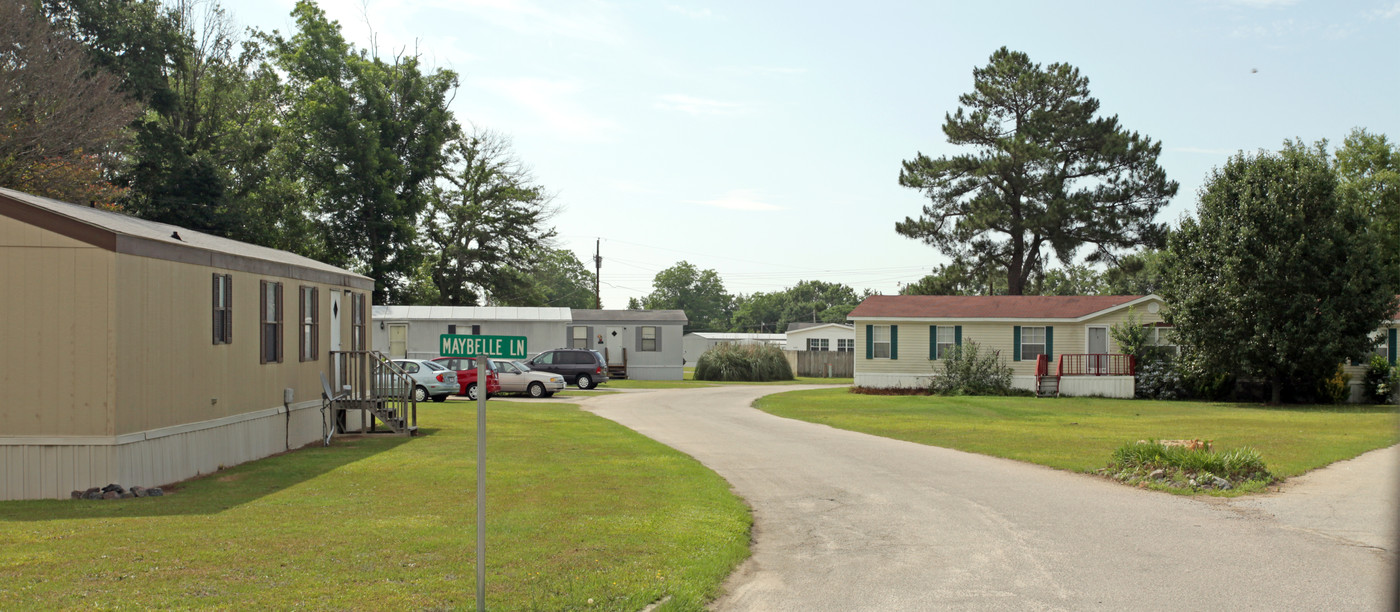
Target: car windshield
[(433, 365), (520, 365)]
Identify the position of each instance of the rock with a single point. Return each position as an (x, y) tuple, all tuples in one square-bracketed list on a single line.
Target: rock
[(1157, 474), (93, 494), (112, 487), (111, 495), (92, 490), (128, 495), (77, 495), (1221, 483), (138, 491), (154, 492)]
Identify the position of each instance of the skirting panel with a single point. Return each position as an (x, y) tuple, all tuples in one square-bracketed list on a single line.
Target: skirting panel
[(893, 381), (49, 468)]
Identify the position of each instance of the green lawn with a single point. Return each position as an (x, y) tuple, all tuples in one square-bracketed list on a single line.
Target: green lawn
[(578, 508), (1080, 434)]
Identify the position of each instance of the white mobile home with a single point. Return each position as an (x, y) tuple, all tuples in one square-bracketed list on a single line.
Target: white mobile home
[(414, 331), (638, 344)]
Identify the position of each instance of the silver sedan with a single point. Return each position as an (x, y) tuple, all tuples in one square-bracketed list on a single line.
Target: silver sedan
[(430, 379), (516, 377)]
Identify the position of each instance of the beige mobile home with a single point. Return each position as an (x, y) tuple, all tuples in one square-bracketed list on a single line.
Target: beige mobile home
[(901, 339), (140, 353)]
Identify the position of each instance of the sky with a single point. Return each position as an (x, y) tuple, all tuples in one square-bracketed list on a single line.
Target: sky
[(763, 140)]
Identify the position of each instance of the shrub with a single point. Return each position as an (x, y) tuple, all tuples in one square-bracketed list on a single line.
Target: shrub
[(1381, 380), (968, 371), (743, 362), (1187, 468), (1157, 377), (1336, 388)]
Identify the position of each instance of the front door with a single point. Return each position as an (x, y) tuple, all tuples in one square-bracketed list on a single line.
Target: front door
[(1098, 349), (335, 338), (398, 341), (612, 339)]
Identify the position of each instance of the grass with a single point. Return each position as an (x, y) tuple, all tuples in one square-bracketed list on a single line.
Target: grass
[(1080, 434), (578, 508)]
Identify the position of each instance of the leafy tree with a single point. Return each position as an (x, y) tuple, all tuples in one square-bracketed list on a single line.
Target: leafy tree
[(371, 143), (814, 301), (1368, 167), (556, 277), (1138, 273), (61, 120), (1069, 280), (700, 293), (1045, 173), (484, 221), (958, 278), (1277, 279)]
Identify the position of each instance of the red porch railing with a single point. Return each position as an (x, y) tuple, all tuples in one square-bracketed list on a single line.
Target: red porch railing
[(1042, 365), (1094, 364)]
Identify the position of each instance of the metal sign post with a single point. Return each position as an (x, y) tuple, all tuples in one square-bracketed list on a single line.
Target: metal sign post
[(481, 347), (481, 483)]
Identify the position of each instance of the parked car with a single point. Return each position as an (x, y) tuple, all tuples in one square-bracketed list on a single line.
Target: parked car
[(516, 377), (582, 367), (466, 375), (429, 379)]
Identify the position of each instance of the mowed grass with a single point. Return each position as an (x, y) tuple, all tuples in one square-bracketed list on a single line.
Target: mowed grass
[(1081, 434), (578, 508)]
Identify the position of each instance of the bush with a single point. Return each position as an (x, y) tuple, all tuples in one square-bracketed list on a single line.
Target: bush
[(1336, 388), (1157, 377), (966, 371), (743, 362), (1381, 380)]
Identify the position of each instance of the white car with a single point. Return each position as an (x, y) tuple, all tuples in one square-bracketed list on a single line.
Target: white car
[(430, 379), (516, 377)]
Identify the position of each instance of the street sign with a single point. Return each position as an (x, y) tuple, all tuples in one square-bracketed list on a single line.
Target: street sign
[(499, 347)]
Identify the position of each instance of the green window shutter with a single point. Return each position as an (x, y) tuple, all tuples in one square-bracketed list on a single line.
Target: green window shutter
[(894, 342), (1392, 345), (957, 335), (1049, 343), (932, 342), (869, 341), (1016, 343)]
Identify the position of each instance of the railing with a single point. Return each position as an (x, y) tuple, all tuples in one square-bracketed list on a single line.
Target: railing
[(1095, 364), (1042, 366), (375, 386)]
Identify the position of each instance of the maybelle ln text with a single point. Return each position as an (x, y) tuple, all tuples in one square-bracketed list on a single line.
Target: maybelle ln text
[(504, 347)]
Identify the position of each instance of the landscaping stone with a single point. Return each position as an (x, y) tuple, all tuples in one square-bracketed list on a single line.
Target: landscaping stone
[(154, 492), (77, 495), (138, 491), (111, 495), (116, 491), (1157, 474)]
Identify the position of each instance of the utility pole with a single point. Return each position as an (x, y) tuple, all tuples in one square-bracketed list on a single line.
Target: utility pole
[(597, 273)]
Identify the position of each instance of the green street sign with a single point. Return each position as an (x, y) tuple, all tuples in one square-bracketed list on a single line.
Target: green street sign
[(500, 347)]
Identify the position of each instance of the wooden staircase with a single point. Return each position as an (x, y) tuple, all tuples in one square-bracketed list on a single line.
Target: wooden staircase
[(616, 371), (1046, 384), (380, 391)]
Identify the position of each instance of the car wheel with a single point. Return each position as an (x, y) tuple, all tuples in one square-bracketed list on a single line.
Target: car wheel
[(420, 394), (585, 381), (471, 391), (440, 398), (537, 389)]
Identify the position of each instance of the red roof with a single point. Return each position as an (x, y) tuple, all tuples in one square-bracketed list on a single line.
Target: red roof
[(987, 306)]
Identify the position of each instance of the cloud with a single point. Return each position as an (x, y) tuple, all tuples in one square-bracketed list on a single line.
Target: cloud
[(553, 102), (698, 106), (739, 199), (689, 12), (1389, 13)]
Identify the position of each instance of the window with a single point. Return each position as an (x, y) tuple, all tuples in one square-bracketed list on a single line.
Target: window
[(946, 339), (310, 324), (818, 344), (544, 359), (880, 341), (648, 338), (1161, 336), (1382, 346), (451, 329), (223, 309), (357, 321), (1032, 343), (846, 345), (270, 298), (579, 337)]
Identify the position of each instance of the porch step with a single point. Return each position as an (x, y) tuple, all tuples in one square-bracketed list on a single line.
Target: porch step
[(1047, 386), (617, 372)]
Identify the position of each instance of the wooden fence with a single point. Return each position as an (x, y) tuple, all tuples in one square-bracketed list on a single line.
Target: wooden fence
[(822, 364)]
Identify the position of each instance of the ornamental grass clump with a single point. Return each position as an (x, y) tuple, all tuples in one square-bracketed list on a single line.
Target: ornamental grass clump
[(1184, 469), (743, 362)]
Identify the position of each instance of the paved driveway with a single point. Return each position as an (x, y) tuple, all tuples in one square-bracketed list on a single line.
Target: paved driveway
[(848, 521)]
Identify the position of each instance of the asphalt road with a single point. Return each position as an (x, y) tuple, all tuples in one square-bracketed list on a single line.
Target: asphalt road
[(848, 521)]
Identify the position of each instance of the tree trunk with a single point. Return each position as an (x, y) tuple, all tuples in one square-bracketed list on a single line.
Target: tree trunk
[(1276, 392)]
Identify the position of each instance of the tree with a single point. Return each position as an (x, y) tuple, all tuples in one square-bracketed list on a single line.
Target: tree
[(556, 277), (1045, 173), (1138, 273), (484, 221), (1368, 168), (700, 293), (1277, 278), (813, 301), (1069, 280), (371, 143), (61, 119)]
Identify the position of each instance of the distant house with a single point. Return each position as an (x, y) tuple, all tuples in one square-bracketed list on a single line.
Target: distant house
[(638, 344), (696, 343), (837, 337), (901, 340), (415, 332), (1386, 339), (140, 353)]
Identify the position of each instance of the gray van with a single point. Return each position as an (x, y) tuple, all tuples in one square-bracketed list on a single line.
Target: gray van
[(582, 367)]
